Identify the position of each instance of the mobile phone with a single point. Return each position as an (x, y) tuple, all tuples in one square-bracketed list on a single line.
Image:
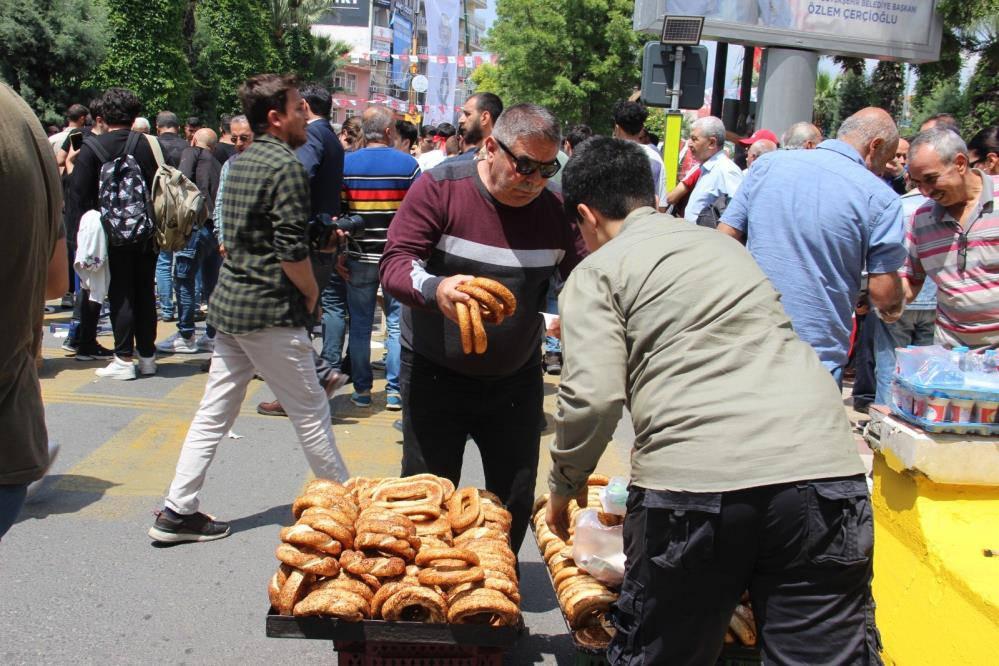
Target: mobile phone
[(76, 140)]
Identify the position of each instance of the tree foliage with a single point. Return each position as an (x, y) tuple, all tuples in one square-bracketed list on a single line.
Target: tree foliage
[(47, 48), (146, 53), (853, 94), (233, 42), (575, 57), (887, 87), (486, 78), (825, 104)]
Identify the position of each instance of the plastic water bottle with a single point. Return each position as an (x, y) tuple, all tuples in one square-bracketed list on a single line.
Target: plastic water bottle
[(958, 356)]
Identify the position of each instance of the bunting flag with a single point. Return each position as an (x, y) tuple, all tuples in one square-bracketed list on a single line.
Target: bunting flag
[(465, 60)]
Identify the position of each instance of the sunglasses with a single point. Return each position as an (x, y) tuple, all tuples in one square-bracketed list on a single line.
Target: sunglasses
[(525, 166)]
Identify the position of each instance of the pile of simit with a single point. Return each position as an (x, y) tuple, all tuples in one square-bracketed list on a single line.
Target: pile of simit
[(411, 549)]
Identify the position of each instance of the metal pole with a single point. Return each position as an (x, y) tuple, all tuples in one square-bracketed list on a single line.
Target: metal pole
[(677, 74), (718, 83), (745, 90), (674, 121)]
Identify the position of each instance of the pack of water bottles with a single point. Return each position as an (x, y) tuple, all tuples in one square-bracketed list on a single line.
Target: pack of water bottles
[(947, 390)]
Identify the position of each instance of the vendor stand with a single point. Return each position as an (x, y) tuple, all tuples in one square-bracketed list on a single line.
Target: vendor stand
[(936, 531)]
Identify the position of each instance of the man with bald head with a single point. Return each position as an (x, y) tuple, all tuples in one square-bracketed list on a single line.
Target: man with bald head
[(760, 147), (375, 180), (801, 136), (813, 247), (201, 254)]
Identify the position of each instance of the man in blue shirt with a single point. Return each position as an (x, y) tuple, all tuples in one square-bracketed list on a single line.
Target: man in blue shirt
[(720, 177), (815, 219)]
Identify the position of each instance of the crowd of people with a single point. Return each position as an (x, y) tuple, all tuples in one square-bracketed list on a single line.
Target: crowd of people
[(722, 313)]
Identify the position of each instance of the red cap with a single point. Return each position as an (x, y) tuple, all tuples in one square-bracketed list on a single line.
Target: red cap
[(758, 135)]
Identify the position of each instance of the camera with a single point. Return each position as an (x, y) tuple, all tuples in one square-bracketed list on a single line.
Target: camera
[(322, 227)]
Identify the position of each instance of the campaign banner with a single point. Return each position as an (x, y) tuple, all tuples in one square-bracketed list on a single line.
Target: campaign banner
[(442, 40), (907, 30), (347, 12), (402, 42)]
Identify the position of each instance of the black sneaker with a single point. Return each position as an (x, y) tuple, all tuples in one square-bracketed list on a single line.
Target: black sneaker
[(94, 354), (70, 346), (67, 301), (172, 527), (553, 363)]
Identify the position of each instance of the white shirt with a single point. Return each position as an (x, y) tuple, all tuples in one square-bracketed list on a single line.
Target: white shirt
[(428, 161), (658, 171), (719, 175)]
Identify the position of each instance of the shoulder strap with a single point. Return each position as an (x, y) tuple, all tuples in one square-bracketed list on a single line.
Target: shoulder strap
[(98, 149), (131, 143), (154, 145)]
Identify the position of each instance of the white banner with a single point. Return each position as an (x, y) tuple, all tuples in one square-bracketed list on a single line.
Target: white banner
[(442, 39)]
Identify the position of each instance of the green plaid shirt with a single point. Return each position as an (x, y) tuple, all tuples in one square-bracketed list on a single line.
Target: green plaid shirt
[(266, 210)]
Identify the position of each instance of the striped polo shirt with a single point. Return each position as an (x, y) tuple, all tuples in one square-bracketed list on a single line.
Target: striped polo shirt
[(968, 296), (375, 180)]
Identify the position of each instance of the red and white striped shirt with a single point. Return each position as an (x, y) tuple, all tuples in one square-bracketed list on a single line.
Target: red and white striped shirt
[(964, 263)]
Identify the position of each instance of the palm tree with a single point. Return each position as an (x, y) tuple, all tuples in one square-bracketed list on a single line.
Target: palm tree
[(824, 104)]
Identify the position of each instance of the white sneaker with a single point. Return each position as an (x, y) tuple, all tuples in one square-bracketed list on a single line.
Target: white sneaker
[(178, 344), (147, 366), (117, 369), (206, 343)]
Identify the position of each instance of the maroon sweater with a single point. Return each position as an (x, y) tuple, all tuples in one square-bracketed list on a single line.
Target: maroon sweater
[(450, 224)]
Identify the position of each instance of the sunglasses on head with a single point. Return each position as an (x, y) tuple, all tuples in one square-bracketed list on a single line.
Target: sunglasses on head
[(525, 166)]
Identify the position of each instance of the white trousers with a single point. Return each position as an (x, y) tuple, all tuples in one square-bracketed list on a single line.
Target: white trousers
[(284, 356)]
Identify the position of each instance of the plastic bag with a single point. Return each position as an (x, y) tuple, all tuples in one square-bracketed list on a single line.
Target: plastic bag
[(614, 496), (599, 549)]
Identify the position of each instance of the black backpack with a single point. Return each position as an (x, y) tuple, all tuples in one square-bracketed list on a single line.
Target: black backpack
[(123, 196)]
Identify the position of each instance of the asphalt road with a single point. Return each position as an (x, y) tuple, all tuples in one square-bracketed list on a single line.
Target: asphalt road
[(80, 581)]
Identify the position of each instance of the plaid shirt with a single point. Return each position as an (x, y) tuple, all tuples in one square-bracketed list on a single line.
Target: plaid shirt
[(266, 210)]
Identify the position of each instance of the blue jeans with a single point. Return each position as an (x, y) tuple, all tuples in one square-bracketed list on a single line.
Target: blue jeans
[(164, 282), (393, 348), (200, 255), (884, 360), (552, 344), (11, 501), (362, 298), (334, 303)]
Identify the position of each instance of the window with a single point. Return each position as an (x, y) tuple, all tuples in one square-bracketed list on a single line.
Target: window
[(349, 113), (345, 82)]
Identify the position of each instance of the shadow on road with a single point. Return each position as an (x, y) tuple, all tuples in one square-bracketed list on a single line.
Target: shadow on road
[(534, 577), (532, 648), (64, 493), (276, 515)]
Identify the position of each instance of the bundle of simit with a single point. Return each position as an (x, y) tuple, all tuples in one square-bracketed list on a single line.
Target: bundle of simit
[(585, 601), (490, 302), (400, 549)]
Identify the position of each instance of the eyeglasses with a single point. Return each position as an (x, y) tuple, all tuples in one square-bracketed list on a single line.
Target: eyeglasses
[(242, 138), (962, 249), (525, 166)]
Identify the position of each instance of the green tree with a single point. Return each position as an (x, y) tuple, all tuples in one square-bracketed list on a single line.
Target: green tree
[(853, 94), (233, 42), (576, 58), (982, 97), (486, 78), (47, 48), (887, 87), (146, 53), (824, 104)]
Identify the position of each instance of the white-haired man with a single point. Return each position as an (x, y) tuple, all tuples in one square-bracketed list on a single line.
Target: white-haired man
[(953, 239), (720, 176), (801, 136)]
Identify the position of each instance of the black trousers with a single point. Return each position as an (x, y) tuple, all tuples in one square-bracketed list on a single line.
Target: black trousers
[(442, 408), (865, 381), (132, 298), (803, 550)]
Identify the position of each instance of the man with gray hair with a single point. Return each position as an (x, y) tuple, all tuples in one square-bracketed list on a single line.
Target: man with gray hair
[(954, 239), (813, 247), (493, 218), (375, 180), (759, 148), (801, 136), (720, 177)]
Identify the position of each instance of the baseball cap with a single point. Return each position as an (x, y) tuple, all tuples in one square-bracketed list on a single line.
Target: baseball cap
[(759, 135)]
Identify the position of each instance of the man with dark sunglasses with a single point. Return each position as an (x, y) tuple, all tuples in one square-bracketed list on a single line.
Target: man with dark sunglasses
[(953, 240), (495, 217)]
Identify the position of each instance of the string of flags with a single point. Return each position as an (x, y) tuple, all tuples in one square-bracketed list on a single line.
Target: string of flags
[(395, 104), (469, 61)]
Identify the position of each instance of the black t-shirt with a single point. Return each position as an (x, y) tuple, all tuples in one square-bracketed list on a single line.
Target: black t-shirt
[(173, 146), (223, 151), (76, 130)]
